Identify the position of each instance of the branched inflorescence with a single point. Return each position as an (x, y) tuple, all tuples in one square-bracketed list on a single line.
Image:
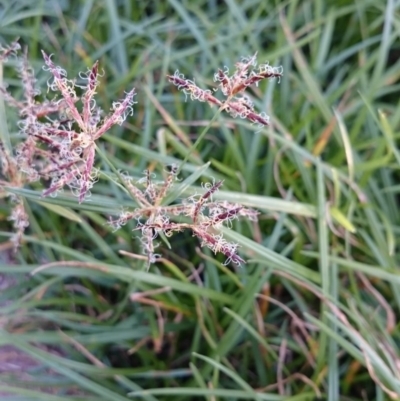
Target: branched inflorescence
[(204, 217), (237, 104), (59, 144), (59, 137)]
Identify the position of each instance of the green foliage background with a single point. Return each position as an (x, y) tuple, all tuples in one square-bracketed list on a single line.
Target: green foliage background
[(324, 175)]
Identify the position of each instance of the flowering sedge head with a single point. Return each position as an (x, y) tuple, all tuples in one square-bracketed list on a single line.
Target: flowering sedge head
[(236, 103)]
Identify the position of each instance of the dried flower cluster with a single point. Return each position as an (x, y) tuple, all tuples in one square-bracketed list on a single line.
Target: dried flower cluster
[(237, 104), (59, 139), (205, 216)]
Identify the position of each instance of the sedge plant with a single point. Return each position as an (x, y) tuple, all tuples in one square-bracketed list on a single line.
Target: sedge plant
[(58, 149)]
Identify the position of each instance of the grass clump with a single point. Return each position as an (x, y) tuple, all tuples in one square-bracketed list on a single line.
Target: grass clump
[(297, 180)]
